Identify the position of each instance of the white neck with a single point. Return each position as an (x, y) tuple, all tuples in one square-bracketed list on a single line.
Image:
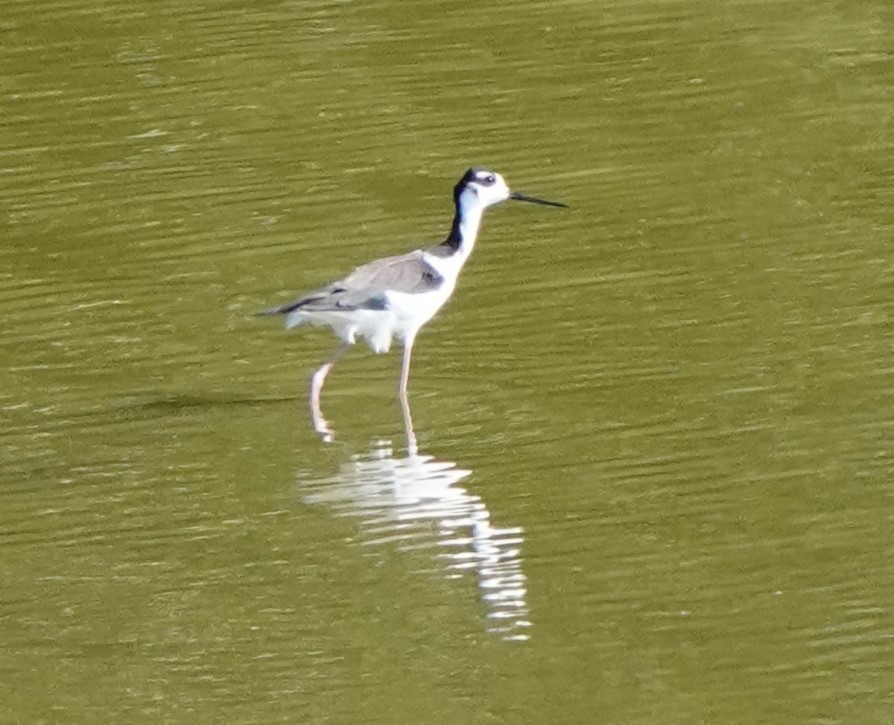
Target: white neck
[(469, 211)]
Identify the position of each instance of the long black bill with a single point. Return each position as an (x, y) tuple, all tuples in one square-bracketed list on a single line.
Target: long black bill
[(533, 200)]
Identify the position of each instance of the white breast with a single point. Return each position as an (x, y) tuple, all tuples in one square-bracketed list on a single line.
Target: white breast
[(412, 311)]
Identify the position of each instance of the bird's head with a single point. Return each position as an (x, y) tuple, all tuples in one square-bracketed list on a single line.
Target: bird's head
[(485, 188)]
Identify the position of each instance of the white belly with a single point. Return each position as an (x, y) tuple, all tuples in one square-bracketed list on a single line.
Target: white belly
[(402, 318)]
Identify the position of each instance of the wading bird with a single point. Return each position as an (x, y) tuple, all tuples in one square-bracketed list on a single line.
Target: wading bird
[(394, 297)]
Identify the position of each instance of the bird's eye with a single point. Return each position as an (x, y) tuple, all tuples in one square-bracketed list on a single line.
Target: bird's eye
[(489, 179)]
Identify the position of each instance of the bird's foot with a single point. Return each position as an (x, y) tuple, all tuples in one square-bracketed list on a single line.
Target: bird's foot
[(322, 427)]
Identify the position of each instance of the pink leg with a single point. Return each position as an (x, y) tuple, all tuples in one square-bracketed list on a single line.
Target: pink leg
[(321, 426), (404, 400)]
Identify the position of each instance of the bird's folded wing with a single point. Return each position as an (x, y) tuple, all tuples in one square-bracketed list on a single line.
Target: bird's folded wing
[(366, 286)]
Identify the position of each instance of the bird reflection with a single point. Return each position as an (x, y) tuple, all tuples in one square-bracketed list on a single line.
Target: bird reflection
[(417, 502)]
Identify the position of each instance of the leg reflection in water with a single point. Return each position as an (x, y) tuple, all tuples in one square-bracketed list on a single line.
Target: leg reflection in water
[(417, 503)]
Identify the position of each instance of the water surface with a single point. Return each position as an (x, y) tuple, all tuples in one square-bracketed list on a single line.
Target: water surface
[(654, 481)]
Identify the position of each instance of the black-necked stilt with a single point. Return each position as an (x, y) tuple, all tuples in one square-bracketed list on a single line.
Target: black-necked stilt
[(395, 296)]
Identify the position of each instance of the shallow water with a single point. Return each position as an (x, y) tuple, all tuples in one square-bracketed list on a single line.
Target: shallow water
[(655, 429)]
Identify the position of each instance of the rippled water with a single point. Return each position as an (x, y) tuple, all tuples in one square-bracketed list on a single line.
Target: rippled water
[(415, 503), (654, 480)]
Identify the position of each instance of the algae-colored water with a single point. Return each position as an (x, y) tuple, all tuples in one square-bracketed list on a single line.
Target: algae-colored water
[(656, 428)]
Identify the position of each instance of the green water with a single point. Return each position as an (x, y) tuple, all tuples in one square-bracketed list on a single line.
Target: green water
[(656, 482)]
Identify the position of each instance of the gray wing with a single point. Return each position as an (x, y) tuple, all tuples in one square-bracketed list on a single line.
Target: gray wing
[(365, 287)]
